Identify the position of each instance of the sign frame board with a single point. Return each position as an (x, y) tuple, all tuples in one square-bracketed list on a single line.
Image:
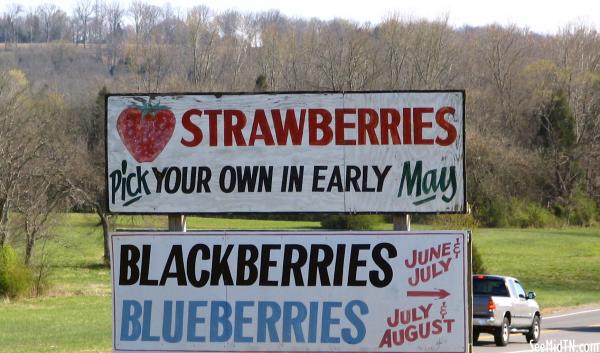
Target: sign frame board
[(434, 135), (361, 300)]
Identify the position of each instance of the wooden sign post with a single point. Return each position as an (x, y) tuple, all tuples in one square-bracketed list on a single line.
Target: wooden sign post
[(177, 223), (401, 221)]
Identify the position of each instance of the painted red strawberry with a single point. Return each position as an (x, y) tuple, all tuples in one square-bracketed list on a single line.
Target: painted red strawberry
[(146, 129)]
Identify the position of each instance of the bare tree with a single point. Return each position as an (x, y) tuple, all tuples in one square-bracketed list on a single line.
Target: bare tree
[(11, 17), (82, 13), (432, 55), (145, 19), (47, 13), (393, 36), (18, 147), (114, 18), (202, 42)]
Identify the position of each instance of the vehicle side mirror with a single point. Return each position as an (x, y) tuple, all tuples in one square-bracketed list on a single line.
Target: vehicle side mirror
[(531, 295)]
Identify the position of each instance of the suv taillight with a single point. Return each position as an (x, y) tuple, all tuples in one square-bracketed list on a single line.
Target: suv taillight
[(491, 305)]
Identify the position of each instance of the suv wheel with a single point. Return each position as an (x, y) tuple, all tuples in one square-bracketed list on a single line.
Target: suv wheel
[(533, 336), (502, 333)]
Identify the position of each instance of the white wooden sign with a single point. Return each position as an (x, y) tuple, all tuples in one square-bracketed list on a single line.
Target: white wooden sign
[(290, 292), (292, 152)]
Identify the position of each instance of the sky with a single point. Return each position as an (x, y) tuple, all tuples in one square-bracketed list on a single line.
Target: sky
[(545, 17)]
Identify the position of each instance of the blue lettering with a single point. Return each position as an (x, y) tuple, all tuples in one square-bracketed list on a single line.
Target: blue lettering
[(130, 318), (147, 319), (327, 321), (218, 320), (293, 322), (240, 320), (168, 319), (356, 321), (312, 322), (267, 322), (194, 320)]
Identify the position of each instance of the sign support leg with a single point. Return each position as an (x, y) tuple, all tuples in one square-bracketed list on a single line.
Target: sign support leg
[(401, 221), (470, 290), (177, 223)]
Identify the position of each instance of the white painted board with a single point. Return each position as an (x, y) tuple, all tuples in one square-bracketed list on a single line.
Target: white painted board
[(355, 152), (290, 292)]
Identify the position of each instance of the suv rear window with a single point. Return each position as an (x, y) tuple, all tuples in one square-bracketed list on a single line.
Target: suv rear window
[(489, 286)]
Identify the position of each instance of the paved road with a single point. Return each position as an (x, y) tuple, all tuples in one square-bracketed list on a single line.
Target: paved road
[(578, 326)]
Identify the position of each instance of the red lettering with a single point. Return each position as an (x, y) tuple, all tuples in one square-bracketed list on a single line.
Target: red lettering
[(315, 125), (446, 125), (367, 127), (234, 131), (446, 249), (341, 125), (186, 121), (386, 340), (292, 128), (420, 125), (260, 123), (406, 126), (212, 125), (390, 127), (449, 323)]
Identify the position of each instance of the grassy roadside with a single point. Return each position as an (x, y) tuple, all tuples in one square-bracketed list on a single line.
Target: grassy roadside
[(561, 265)]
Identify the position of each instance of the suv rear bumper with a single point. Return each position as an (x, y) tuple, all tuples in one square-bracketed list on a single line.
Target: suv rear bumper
[(486, 321)]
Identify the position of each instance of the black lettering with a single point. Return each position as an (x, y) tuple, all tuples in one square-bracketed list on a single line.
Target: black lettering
[(355, 263), (177, 181), (365, 187), (385, 267), (290, 266), (188, 186), (352, 176), (160, 176), (319, 267), (247, 178), (245, 262), (335, 180), (266, 263), (338, 275), (144, 280), (284, 178), (175, 256), (381, 176), (231, 171), (130, 255), (204, 175), (192, 264), (296, 177), (316, 177), (220, 267)]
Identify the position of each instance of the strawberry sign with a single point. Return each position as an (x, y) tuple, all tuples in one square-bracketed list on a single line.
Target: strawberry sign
[(145, 129), (339, 152)]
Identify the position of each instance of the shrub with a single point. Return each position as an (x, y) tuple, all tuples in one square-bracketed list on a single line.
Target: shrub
[(15, 277), (582, 210), (493, 213), (515, 213), (448, 221), (477, 261), (351, 222)]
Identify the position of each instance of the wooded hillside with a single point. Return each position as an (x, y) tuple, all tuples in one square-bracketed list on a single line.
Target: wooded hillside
[(533, 101)]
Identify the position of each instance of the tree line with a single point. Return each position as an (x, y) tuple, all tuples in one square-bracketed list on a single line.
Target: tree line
[(532, 109)]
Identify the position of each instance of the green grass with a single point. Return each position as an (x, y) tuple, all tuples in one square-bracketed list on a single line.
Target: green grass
[(562, 266), (56, 324)]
